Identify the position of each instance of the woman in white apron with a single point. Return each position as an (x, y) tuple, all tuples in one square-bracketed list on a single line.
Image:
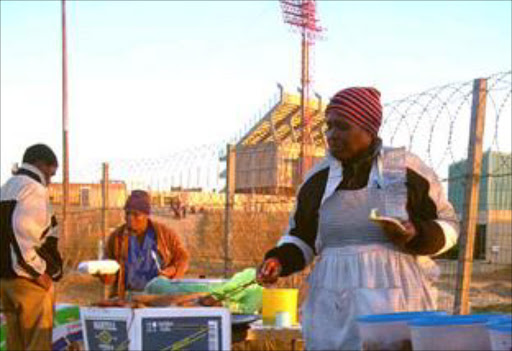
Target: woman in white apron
[(362, 267)]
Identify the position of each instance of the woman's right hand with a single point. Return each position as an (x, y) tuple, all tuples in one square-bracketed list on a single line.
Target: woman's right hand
[(269, 272)]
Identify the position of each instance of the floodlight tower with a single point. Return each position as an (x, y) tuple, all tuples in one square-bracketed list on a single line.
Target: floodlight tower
[(301, 15)]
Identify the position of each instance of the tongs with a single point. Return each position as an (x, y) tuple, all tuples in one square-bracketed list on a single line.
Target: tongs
[(213, 299)]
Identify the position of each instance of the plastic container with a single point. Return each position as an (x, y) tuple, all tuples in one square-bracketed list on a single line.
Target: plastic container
[(500, 335), (452, 333), (389, 331), (279, 300), (283, 320)]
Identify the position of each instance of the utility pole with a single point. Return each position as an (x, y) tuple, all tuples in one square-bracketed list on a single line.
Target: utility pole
[(65, 146), (301, 14), (105, 187)]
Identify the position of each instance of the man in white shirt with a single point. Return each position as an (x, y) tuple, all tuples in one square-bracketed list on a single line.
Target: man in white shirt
[(29, 256)]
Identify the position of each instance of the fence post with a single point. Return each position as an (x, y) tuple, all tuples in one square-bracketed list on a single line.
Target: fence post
[(230, 197), (104, 213), (471, 195), (105, 203)]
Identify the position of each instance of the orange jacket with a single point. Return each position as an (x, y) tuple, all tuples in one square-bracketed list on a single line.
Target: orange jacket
[(174, 256)]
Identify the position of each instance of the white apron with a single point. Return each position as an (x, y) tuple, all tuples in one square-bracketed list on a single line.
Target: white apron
[(358, 272)]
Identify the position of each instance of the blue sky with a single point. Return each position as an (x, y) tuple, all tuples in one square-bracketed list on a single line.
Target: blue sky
[(149, 78)]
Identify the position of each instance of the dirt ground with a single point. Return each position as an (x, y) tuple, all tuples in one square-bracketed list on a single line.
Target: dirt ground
[(490, 292), (79, 289)]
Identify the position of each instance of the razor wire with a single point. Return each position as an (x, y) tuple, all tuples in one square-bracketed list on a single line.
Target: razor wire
[(433, 124)]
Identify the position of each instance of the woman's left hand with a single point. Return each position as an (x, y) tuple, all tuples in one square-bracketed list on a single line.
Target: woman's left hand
[(396, 235)]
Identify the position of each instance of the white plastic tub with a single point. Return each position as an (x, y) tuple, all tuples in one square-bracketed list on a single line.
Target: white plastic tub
[(500, 335), (390, 331), (451, 333)]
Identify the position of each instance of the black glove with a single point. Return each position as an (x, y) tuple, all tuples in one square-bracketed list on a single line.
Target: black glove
[(49, 251)]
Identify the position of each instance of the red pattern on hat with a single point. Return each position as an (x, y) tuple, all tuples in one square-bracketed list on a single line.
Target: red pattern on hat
[(360, 105)]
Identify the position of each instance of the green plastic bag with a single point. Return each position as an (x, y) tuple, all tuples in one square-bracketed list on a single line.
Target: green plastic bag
[(245, 301)]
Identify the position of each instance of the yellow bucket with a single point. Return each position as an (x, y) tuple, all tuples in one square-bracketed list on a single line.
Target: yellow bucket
[(279, 300)]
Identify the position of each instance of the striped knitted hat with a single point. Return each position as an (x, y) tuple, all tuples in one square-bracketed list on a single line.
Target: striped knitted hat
[(359, 105)]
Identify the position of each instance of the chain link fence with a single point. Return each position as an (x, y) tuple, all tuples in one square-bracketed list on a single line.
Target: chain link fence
[(188, 189)]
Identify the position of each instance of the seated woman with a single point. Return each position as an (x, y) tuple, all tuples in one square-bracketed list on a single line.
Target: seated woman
[(144, 248)]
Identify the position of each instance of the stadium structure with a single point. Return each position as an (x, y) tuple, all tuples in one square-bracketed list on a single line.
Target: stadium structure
[(268, 154)]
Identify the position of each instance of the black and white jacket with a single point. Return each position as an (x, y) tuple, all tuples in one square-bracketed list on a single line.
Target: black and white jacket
[(28, 230), (425, 203)]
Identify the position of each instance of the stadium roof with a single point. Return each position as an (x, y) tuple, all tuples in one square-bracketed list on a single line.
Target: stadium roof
[(282, 123)]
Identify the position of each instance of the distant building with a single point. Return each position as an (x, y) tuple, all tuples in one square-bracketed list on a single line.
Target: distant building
[(89, 195), (494, 230)]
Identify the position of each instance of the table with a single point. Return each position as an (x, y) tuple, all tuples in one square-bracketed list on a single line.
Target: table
[(270, 338)]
